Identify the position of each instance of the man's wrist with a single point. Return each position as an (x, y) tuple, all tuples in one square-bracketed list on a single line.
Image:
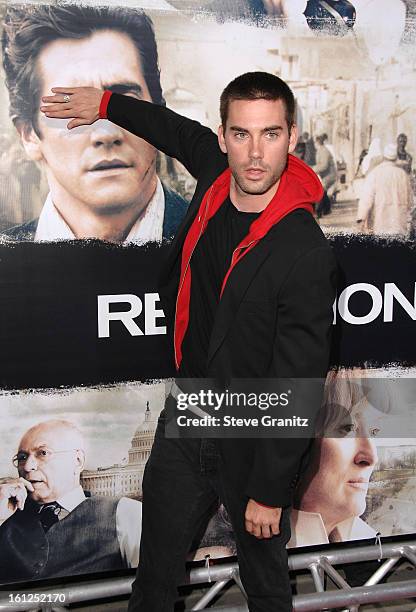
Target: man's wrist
[(102, 111), (265, 506)]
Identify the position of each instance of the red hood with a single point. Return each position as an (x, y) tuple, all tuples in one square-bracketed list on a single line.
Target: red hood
[(299, 187)]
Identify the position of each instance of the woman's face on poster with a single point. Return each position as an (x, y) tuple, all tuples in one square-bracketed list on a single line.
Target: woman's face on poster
[(341, 466)]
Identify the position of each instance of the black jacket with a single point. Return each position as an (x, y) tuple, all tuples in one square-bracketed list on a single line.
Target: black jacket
[(83, 542), (275, 316)]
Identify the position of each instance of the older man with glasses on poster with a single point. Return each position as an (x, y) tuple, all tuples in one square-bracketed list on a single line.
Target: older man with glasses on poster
[(48, 526)]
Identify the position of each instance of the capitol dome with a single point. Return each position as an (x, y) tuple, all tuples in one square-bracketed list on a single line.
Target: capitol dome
[(141, 443)]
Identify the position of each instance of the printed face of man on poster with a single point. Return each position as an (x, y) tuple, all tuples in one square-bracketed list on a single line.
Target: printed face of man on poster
[(50, 473), (102, 179)]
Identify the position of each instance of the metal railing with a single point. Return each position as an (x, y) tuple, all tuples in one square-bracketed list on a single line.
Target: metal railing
[(318, 563)]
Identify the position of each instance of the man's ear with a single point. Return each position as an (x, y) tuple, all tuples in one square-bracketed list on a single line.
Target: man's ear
[(293, 138), (221, 139), (30, 142), (80, 458)]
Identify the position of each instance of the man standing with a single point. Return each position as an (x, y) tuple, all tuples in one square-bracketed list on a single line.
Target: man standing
[(48, 527), (326, 168), (102, 179), (249, 285), (386, 200), (310, 150), (404, 159)]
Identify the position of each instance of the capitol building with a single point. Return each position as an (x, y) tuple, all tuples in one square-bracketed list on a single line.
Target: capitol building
[(124, 478)]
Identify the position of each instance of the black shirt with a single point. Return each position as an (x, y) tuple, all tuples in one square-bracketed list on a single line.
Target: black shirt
[(209, 264)]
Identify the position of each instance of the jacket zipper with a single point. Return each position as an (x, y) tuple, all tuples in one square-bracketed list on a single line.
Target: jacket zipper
[(186, 269), (243, 246)]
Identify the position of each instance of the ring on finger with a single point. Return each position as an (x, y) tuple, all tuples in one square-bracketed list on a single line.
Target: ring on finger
[(67, 98)]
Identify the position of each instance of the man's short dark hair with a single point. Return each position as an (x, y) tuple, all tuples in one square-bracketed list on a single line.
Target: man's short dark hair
[(258, 86), (28, 28)]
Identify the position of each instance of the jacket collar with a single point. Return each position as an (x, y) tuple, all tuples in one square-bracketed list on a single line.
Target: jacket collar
[(308, 529)]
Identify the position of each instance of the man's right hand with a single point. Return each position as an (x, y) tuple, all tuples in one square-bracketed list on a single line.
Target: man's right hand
[(82, 108), (13, 495)]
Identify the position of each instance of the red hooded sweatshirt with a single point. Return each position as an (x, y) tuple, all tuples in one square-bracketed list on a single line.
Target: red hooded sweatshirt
[(299, 187)]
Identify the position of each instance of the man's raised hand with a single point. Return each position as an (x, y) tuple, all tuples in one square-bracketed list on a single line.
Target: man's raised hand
[(82, 107), (13, 494)]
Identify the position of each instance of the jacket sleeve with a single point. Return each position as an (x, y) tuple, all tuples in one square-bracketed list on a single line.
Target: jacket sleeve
[(301, 350), (184, 139)]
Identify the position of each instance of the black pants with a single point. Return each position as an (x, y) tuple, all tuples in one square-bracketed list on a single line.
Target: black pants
[(182, 481)]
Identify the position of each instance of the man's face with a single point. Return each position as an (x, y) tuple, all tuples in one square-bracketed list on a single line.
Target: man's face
[(54, 462), (402, 141), (257, 141), (100, 167)]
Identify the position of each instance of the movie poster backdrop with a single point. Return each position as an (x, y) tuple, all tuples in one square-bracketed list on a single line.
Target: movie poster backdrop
[(86, 218)]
